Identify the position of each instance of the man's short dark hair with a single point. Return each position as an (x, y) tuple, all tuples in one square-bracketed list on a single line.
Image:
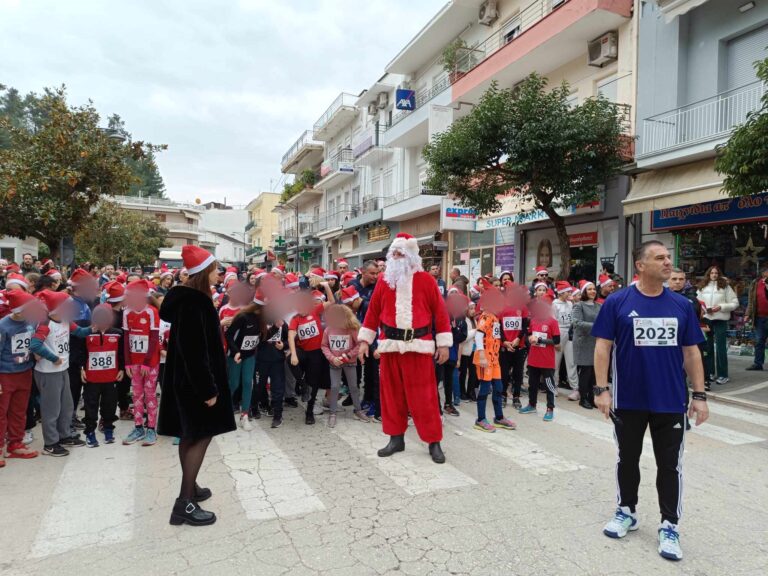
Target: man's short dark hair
[(640, 252), (369, 263), (678, 271), (608, 267), (27, 254)]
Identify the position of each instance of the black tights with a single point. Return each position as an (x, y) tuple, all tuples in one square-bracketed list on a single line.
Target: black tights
[(191, 454)]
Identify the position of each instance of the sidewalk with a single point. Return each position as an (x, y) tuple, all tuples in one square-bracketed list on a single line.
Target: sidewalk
[(749, 389)]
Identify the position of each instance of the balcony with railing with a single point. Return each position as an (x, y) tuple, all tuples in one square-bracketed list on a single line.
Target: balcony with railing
[(367, 147), (304, 153), (412, 202), (545, 35), (336, 169), (330, 222), (253, 223), (368, 210), (342, 111), (698, 127), (182, 228)]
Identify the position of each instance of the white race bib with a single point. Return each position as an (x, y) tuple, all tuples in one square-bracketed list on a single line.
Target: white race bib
[(20, 343), (512, 323), (338, 342), (540, 336), (308, 330), (564, 319), (497, 330), (102, 360), (249, 343), (275, 337), (655, 331), (138, 343)]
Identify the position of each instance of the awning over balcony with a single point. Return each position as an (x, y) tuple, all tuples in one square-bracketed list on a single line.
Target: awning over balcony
[(672, 187)]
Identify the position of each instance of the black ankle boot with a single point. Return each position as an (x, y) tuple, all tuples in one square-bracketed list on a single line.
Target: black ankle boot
[(202, 494), (396, 444), (437, 453), (188, 512)]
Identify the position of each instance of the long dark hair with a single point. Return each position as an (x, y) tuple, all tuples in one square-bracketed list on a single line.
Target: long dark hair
[(722, 283), (200, 280), (256, 310)]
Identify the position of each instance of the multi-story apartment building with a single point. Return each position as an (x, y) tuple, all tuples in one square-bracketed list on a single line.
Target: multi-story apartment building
[(182, 220), (261, 230), (696, 82)]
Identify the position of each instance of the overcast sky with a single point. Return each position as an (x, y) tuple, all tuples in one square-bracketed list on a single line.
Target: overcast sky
[(229, 85)]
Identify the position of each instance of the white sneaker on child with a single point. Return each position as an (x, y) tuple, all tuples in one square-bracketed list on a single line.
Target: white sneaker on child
[(245, 422)]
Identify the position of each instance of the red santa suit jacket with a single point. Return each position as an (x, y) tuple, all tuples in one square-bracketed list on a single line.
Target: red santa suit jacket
[(416, 303)]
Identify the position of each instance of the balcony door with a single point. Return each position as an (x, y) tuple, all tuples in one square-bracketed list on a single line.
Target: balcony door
[(742, 93)]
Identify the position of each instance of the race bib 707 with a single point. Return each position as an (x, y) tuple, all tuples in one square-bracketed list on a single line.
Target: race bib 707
[(655, 331)]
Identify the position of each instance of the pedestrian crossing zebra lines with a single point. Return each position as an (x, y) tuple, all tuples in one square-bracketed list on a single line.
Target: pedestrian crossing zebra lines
[(269, 485)]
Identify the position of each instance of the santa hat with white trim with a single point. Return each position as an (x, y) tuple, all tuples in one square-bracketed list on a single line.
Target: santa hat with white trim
[(291, 280), (165, 273), (539, 284), (18, 300), (562, 286), (604, 280), (260, 298), (115, 291), (342, 262), (259, 272), (541, 270), (349, 294), (316, 273), (584, 284), (139, 287), (53, 273), (280, 269), (196, 259), (405, 243), (17, 279), (80, 276), (331, 275), (317, 295), (53, 300)]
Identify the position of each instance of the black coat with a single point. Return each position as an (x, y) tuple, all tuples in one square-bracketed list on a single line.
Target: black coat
[(195, 369)]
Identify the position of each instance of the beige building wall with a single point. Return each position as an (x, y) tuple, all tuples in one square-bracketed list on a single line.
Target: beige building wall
[(263, 221)]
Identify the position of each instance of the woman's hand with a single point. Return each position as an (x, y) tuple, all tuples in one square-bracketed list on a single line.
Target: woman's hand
[(294, 360), (716, 308), (279, 345), (211, 401), (238, 359)]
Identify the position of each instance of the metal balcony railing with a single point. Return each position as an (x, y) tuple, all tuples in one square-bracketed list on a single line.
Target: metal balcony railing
[(422, 97), (342, 161), (411, 193), (367, 205), (253, 224), (152, 201), (343, 99), (328, 221), (701, 121), (253, 251), (306, 139), (180, 227)]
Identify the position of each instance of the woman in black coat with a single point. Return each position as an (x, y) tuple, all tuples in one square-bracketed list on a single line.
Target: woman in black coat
[(195, 404)]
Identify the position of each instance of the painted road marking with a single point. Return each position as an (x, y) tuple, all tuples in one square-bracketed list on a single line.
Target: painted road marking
[(738, 414), (92, 504), (412, 470), (267, 482), (725, 435)]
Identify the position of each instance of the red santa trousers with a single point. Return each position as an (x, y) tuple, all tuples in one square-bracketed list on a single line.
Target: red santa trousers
[(13, 405), (408, 385)]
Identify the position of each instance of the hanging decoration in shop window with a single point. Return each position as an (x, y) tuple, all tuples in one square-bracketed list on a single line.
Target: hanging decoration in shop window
[(749, 252)]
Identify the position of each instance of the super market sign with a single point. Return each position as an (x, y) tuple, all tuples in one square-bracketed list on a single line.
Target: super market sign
[(524, 217)]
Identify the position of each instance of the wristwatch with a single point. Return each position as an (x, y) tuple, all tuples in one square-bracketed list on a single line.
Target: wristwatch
[(597, 390)]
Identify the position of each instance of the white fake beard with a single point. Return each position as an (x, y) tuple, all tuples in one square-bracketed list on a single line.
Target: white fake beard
[(400, 268)]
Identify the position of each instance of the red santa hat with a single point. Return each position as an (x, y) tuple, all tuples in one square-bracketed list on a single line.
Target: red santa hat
[(506, 272), (508, 285), (584, 284), (47, 262), (260, 298), (232, 269), (53, 273), (165, 273), (80, 276), (115, 291), (562, 286), (317, 273), (13, 267), (604, 280), (342, 262), (230, 277), (291, 280), (17, 279), (330, 275), (122, 278), (539, 284), (259, 272), (541, 270), (18, 300), (279, 270), (139, 287), (484, 283), (347, 277), (53, 300), (548, 298), (317, 295), (405, 243), (349, 294), (196, 259)]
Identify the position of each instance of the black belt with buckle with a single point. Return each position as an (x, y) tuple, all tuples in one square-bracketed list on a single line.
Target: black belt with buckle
[(404, 334)]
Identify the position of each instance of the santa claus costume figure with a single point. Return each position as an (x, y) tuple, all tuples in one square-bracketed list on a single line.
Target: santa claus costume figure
[(405, 307)]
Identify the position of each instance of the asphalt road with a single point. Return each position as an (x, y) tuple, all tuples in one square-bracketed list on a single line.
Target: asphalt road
[(305, 500)]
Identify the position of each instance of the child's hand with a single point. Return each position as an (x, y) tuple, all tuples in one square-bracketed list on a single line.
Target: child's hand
[(376, 354), (144, 370), (226, 322), (294, 360), (59, 362), (558, 347), (533, 339), (120, 375), (129, 371), (337, 361), (279, 344), (483, 361), (515, 342), (238, 359)]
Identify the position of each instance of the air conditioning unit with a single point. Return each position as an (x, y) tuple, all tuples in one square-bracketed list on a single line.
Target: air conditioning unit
[(383, 100), (602, 50), (488, 13), (373, 109)]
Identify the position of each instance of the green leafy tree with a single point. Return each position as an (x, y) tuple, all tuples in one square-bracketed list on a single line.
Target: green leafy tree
[(56, 166), (531, 143), (147, 179), (306, 179), (115, 235), (743, 160)]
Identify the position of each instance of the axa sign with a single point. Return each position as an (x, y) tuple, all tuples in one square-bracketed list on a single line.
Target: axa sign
[(405, 99)]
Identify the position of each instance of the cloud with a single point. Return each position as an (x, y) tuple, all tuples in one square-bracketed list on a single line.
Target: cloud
[(228, 85)]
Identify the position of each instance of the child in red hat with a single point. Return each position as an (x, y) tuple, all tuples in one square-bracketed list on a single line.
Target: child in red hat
[(544, 338)]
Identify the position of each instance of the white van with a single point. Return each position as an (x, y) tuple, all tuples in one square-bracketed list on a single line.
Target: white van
[(171, 258)]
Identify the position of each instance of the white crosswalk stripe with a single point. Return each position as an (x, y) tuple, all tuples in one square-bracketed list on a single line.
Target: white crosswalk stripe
[(93, 502), (725, 435), (412, 470), (268, 484), (743, 414)]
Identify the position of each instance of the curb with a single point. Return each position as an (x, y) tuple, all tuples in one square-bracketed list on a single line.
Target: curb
[(738, 401)]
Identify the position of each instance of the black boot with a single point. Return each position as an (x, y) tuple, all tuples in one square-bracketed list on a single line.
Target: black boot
[(396, 444), (202, 494), (437, 453), (188, 512)]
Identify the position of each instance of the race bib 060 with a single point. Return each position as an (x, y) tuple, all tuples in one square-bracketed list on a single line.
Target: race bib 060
[(338, 342), (655, 331), (101, 360), (249, 343), (512, 323), (308, 330), (138, 343)]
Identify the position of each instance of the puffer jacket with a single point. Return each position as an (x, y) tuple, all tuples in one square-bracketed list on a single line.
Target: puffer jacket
[(713, 296)]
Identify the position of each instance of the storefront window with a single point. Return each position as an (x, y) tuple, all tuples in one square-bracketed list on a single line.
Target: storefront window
[(473, 253)]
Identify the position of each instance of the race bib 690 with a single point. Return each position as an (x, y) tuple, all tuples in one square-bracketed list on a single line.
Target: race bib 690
[(512, 323), (655, 331)]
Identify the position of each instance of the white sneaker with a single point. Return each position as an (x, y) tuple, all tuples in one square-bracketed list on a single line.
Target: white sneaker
[(28, 438), (622, 522), (574, 396), (245, 422), (669, 541), (332, 421), (318, 409)]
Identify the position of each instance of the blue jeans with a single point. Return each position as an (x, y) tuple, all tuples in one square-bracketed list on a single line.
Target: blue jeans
[(760, 335), (485, 388)]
